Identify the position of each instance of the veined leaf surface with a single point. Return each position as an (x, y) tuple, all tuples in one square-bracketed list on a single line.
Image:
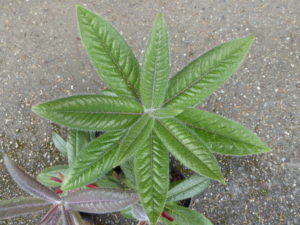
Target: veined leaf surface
[(100, 200), (188, 148), (222, 135), (134, 138), (77, 141), (152, 176), (188, 188), (112, 58), (94, 161), (44, 177), (91, 112), (204, 75), (21, 206), (59, 143), (155, 69)]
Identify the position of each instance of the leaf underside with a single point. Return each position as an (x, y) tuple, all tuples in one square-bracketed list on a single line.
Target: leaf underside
[(100, 200), (222, 135), (152, 176)]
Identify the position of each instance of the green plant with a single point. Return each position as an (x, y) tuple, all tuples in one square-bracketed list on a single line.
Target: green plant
[(64, 207), (146, 114)]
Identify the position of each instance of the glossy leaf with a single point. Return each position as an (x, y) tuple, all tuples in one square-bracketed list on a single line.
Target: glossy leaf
[(188, 188), (188, 148), (152, 176), (90, 112), (166, 112), (59, 143), (204, 75), (155, 69), (222, 135), (112, 58), (134, 138), (100, 200), (29, 184), (77, 141), (93, 162), (183, 215), (128, 170), (45, 176), (21, 206)]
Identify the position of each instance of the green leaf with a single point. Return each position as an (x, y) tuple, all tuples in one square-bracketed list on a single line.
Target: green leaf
[(134, 138), (128, 170), (91, 112), (108, 182), (188, 188), (44, 177), (77, 141), (107, 92), (111, 57), (93, 162), (188, 148), (183, 215), (167, 222), (127, 213), (152, 176), (204, 75), (223, 136), (166, 112), (155, 69), (59, 143)]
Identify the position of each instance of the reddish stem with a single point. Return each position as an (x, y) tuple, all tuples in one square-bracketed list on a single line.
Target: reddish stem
[(58, 191), (91, 186), (55, 179), (166, 216)]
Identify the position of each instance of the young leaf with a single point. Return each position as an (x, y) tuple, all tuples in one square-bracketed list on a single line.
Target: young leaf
[(188, 188), (93, 162), (45, 176), (21, 206), (188, 148), (59, 143), (100, 200), (91, 112), (152, 176), (155, 69), (77, 141), (134, 138), (28, 184), (223, 136), (112, 58), (183, 215), (205, 74)]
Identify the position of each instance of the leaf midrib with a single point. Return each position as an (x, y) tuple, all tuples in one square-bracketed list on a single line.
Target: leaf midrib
[(202, 76), (186, 189)]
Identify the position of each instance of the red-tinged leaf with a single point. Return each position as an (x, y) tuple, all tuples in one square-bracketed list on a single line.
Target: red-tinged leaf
[(91, 186), (167, 216), (28, 184)]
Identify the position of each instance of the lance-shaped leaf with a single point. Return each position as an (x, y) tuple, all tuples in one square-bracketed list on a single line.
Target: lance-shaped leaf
[(152, 176), (222, 135), (93, 162), (100, 200), (134, 138), (45, 177), (52, 216), (188, 148), (59, 143), (183, 215), (21, 206), (77, 141), (112, 58), (128, 169), (205, 74), (28, 184), (91, 112), (188, 188), (138, 212), (155, 69)]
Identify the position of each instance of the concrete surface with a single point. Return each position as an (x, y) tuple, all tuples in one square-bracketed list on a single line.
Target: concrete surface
[(41, 58)]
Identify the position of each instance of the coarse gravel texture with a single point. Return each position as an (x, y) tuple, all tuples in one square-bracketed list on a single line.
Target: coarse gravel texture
[(42, 58)]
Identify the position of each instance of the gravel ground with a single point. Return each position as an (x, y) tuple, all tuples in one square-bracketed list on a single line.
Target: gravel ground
[(41, 58)]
